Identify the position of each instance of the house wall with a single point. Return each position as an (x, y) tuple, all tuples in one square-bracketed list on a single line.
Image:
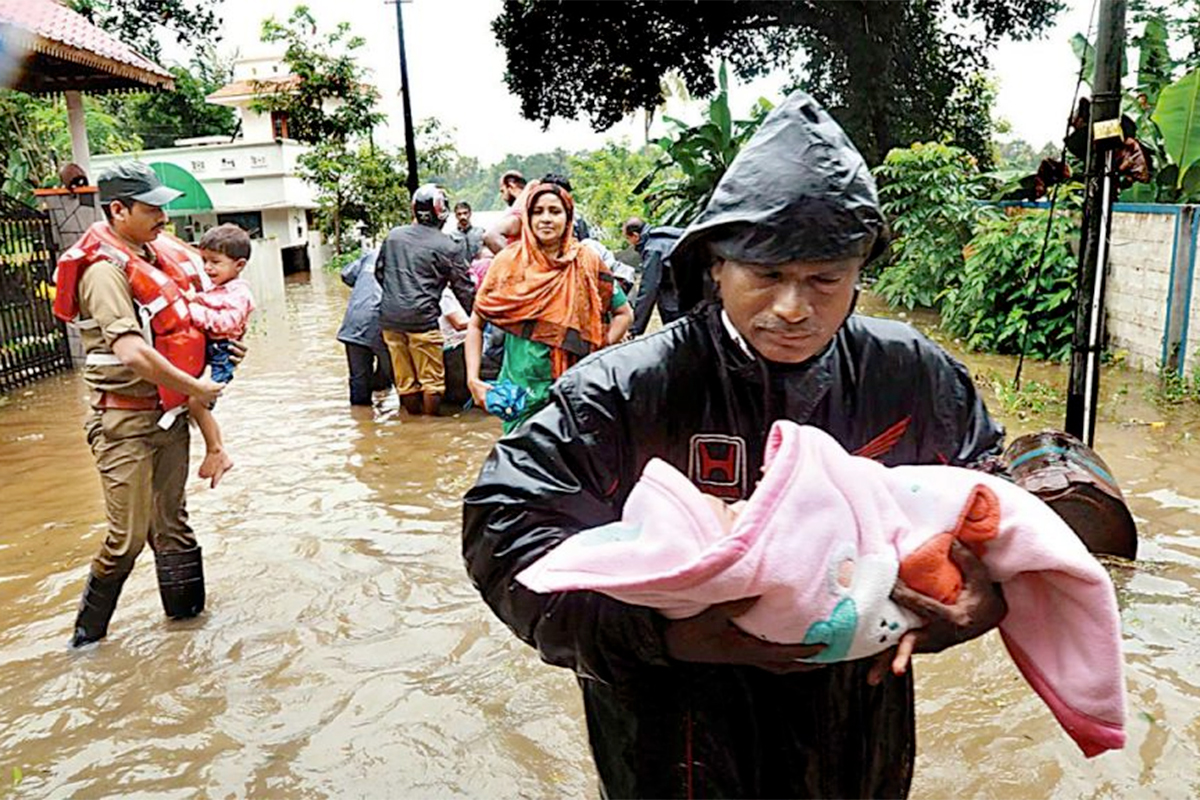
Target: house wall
[(238, 177), (256, 126)]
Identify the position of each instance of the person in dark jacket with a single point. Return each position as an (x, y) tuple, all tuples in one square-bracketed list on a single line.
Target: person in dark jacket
[(695, 707), (657, 285), (467, 236), (366, 353), (415, 264)]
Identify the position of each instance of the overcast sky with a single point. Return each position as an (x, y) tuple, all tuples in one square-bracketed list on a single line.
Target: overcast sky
[(456, 71)]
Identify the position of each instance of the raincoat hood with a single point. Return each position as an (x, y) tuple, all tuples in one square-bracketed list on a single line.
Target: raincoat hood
[(798, 190)]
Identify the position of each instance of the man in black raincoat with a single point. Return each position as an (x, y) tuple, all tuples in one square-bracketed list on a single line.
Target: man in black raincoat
[(696, 708), (657, 286)]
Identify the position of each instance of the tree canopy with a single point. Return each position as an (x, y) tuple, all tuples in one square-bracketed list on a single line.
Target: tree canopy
[(159, 118), (35, 140), (330, 100), (891, 71), (330, 106), (140, 23)]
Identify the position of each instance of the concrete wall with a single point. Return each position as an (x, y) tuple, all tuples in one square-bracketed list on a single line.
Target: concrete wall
[(1138, 284), (319, 252), (1190, 362), (1152, 301), (264, 273), (276, 226)]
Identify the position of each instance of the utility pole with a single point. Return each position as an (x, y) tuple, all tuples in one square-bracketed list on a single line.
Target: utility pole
[(410, 144), (1104, 136)]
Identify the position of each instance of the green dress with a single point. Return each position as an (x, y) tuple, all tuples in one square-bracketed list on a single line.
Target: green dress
[(527, 364)]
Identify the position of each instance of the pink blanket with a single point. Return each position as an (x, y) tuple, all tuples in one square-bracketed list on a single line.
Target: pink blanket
[(822, 541)]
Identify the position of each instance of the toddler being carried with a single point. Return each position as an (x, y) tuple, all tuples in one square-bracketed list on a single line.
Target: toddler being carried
[(223, 313)]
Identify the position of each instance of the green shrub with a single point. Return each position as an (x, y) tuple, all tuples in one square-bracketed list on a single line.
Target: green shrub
[(339, 260), (929, 192), (998, 293)]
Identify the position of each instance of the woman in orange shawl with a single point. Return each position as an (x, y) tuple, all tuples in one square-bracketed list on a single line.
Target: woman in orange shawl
[(551, 296)]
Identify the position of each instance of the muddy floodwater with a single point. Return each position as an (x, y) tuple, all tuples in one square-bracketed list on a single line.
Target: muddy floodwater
[(345, 654)]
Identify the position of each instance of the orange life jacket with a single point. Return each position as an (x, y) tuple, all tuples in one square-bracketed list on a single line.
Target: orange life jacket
[(158, 292)]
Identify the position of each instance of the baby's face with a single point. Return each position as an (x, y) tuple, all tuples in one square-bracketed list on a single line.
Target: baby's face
[(727, 513), (220, 267)]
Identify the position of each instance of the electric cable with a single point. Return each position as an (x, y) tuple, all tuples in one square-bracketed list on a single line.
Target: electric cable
[(1062, 157)]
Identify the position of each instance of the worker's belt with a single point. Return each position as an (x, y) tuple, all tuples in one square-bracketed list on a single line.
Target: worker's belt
[(125, 402)]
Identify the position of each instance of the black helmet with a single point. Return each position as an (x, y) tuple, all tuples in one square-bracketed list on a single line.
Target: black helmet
[(430, 206)]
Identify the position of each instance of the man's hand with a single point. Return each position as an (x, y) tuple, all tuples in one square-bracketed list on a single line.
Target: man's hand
[(207, 392), (712, 638), (237, 351), (979, 608)]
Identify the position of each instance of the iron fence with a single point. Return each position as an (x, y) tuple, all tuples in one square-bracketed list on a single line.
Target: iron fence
[(33, 342)]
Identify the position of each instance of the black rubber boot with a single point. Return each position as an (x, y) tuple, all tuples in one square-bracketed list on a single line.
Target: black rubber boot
[(181, 582), (96, 609)]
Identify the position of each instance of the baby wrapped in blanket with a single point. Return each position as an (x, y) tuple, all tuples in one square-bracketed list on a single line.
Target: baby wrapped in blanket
[(821, 543)]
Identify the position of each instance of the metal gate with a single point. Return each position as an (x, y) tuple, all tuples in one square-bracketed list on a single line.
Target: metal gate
[(33, 342)]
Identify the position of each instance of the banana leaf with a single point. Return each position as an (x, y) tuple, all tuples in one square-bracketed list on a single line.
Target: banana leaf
[(1085, 52), (1155, 64), (1176, 117)]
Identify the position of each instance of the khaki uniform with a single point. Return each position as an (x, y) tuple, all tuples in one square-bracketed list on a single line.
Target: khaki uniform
[(143, 469)]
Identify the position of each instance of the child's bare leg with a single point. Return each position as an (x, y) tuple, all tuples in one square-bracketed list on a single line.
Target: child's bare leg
[(216, 461)]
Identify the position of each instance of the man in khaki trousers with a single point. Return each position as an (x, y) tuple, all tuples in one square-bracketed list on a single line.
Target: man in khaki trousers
[(142, 464)]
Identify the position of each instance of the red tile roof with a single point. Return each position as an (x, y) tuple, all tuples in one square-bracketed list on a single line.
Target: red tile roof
[(58, 32), (249, 88)]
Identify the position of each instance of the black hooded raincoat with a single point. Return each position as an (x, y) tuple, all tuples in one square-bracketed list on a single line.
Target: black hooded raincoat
[(693, 396)]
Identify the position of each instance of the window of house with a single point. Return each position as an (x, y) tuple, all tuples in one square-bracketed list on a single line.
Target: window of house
[(249, 221), (279, 124)]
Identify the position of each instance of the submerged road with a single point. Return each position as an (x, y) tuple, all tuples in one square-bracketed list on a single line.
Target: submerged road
[(344, 653)]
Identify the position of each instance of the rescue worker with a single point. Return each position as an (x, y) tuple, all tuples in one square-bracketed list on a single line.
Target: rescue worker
[(416, 263), (657, 285), (695, 707), (141, 454)]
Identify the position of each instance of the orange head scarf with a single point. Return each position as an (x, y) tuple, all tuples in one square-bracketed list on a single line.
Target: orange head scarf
[(559, 301)]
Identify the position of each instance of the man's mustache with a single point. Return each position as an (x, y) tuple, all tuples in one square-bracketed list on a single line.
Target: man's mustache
[(785, 329)]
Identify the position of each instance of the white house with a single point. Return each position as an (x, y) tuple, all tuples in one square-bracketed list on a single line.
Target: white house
[(250, 180)]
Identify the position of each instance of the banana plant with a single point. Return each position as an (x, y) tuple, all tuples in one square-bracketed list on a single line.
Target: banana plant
[(695, 157)]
